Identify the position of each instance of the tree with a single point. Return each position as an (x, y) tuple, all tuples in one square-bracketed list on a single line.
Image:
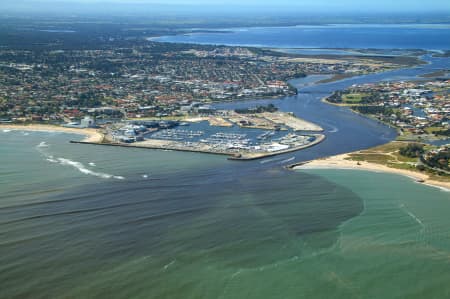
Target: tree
[(412, 150)]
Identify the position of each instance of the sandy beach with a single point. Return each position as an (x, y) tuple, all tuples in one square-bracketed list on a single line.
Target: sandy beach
[(91, 135), (340, 162)]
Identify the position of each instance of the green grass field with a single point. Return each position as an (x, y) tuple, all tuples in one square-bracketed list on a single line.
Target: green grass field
[(353, 98)]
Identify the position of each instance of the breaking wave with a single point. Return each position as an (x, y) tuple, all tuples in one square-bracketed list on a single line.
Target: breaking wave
[(43, 144), (333, 129), (51, 159), (77, 165), (80, 167)]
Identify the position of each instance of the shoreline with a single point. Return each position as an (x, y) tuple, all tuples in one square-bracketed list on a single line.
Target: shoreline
[(91, 135), (341, 162)]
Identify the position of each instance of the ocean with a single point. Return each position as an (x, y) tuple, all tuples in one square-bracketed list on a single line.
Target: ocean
[(97, 222)]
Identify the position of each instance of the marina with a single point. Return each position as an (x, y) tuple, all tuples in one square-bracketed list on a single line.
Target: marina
[(235, 151), (176, 134), (242, 142)]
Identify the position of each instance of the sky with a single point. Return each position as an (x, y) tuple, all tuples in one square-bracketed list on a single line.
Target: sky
[(369, 6)]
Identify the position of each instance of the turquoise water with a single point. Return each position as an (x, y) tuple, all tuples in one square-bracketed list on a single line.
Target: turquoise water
[(399, 246), (96, 222)]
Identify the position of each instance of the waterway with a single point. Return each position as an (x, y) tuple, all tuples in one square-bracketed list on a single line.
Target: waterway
[(333, 36), (345, 130)]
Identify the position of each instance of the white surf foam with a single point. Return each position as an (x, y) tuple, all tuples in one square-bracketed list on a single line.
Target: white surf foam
[(77, 165), (270, 160), (51, 159), (410, 214), (42, 144), (169, 264), (287, 160), (333, 129), (6, 131), (80, 167), (434, 186), (236, 273)]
